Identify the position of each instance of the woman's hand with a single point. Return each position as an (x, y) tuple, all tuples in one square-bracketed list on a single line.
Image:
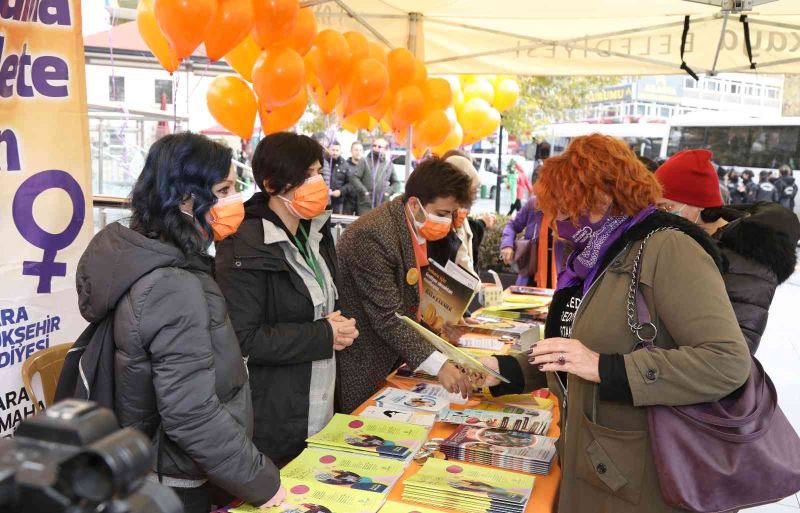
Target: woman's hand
[(276, 500), (455, 380), (507, 254), (568, 355), (344, 330), (488, 219)]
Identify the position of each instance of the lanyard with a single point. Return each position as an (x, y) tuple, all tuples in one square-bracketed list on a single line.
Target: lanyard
[(310, 259), (421, 260)]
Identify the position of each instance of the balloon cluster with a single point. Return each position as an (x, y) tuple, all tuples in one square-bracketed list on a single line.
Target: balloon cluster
[(275, 46)]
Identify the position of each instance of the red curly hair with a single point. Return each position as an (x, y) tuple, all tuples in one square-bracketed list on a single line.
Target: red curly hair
[(592, 166)]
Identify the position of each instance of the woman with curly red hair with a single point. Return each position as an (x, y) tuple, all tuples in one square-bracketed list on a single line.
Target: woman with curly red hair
[(603, 201)]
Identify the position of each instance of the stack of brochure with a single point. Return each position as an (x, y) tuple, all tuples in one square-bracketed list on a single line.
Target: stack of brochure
[(468, 488), (536, 422), (307, 496), (362, 435), (513, 450), (419, 418), (410, 401)]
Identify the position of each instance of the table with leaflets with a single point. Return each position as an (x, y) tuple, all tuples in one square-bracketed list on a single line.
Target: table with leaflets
[(545, 491)]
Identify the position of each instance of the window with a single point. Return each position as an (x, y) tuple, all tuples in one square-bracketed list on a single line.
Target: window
[(640, 109), (665, 112), (772, 146), (735, 88), (729, 145), (164, 87), (772, 93), (116, 89), (689, 83), (712, 85), (753, 91), (685, 138)]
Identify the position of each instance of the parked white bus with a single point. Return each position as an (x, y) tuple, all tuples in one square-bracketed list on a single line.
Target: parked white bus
[(738, 142), (646, 139)]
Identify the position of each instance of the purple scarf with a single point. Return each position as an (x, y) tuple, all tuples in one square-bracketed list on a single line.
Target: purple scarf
[(592, 241)]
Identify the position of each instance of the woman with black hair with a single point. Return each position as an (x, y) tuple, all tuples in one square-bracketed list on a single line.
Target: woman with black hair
[(278, 274), (179, 374)]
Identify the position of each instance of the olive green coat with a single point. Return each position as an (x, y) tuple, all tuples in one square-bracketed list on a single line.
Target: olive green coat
[(606, 458)]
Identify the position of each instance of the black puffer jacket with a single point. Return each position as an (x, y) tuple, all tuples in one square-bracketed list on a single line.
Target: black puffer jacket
[(179, 374), (759, 253)]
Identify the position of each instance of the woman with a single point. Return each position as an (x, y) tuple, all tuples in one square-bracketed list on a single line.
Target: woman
[(527, 222), (381, 258), (758, 242), (736, 190), (603, 199), (278, 274), (748, 188), (180, 377), (468, 230), (518, 185)]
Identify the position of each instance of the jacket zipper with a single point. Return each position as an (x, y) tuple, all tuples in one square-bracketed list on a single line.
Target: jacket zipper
[(575, 318)]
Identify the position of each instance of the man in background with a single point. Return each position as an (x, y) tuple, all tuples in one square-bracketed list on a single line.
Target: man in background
[(337, 177), (350, 204), (787, 189), (374, 180)]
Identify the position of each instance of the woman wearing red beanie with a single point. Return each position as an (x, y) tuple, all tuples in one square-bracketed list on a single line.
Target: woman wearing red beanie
[(757, 241)]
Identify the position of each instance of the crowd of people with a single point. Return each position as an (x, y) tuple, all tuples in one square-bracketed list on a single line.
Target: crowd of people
[(230, 363)]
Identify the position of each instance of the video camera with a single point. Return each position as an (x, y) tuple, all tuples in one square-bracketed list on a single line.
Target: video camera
[(73, 458)]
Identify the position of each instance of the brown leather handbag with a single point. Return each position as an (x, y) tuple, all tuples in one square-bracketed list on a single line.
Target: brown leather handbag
[(526, 257), (721, 456)]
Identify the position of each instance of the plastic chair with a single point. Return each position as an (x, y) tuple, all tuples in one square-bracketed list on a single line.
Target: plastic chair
[(48, 363)]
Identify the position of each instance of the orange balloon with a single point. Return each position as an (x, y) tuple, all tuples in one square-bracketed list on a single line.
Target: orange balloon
[(469, 139), (452, 141), (333, 57), (377, 51), (243, 57), (401, 68), (407, 107), (274, 20), (432, 130), (359, 120), (304, 33), (233, 104), (232, 23), (420, 73), (278, 76), (358, 44), (401, 136), (283, 118), (385, 128), (326, 101), (378, 111), (438, 95), (152, 36), (184, 23), (366, 86)]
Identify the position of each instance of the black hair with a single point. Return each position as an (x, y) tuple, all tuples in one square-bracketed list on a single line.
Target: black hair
[(434, 178), (785, 170), (283, 159), (650, 164), (749, 173), (335, 143), (722, 173), (763, 175), (179, 167)]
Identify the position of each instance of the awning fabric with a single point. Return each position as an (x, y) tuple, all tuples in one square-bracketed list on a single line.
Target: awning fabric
[(577, 37)]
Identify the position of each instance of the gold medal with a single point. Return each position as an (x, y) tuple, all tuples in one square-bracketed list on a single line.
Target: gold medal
[(412, 276)]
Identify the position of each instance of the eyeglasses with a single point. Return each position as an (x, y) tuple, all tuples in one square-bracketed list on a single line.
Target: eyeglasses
[(378, 147)]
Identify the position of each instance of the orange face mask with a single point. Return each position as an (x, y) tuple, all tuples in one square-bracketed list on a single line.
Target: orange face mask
[(226, 216), (460, 217), (434, 227), (310, 198)]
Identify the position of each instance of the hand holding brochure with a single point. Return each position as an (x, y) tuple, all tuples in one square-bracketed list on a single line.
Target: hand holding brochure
[(410, 401), (453, 353)]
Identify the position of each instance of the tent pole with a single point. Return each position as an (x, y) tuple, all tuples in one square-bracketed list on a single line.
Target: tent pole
[(350, 12), (498, 189), (414, 21), (719, 45)]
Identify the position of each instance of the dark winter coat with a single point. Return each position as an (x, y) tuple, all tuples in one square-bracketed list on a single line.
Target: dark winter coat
[(766, 191), (338, 180), (737, 197), (374, 181), (179, 374), (759, 253), (273, 314), (787, 190), (350, 205)]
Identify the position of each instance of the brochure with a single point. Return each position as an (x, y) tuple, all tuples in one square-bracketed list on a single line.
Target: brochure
[(399, 507), (470, 488), (446, 294), (453, 353), (367, 473), (410, 400), (370, 436), (500, 448), (409, 417), (435, 390), (536, 422), (313, 497)]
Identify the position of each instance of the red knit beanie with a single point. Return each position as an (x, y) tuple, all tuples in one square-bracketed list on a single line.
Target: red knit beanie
[(689, 177)]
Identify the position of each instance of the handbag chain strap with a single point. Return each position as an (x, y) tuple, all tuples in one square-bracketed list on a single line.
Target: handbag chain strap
[(634, 320)]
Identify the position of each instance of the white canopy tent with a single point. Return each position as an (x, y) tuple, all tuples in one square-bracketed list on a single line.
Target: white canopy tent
[(579, 37)]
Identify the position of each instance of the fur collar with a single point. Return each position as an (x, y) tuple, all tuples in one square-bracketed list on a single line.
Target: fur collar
[(660, 219), (766, 234)]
